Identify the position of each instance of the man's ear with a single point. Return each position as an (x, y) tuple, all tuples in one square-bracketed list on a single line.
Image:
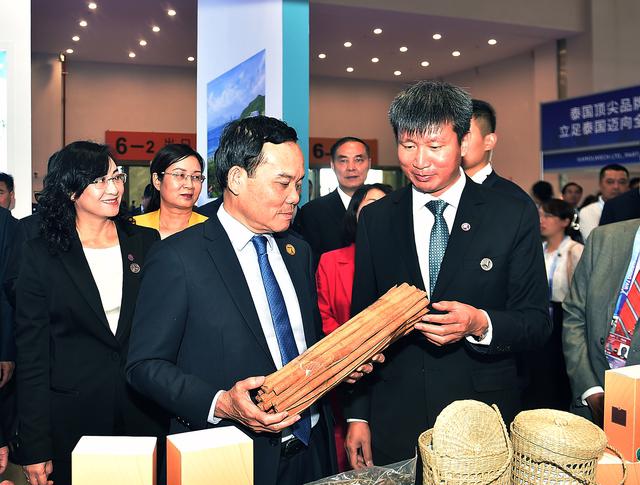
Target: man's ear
[(464, 144), (490, 141), (236, 179)]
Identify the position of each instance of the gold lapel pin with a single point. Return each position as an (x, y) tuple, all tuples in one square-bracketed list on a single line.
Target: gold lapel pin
[(290, 249)]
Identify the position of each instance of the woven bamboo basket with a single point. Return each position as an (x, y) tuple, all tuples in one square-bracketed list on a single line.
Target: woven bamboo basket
[(468, 444), (553, 447)]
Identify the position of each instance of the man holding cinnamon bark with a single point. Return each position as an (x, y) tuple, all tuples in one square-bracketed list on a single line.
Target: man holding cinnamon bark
[(477, 253)]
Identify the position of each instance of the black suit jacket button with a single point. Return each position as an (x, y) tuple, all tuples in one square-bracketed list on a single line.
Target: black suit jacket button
[(115, 356), (602, 341)]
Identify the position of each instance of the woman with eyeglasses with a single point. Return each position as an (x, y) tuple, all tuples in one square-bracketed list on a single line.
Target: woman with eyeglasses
[(75, 296), (176, 178)]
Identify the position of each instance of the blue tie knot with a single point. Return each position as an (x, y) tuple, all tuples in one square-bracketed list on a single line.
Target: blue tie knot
[(260, 243), (436, 207)]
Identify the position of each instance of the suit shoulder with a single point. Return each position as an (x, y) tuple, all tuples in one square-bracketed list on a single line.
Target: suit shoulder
[(318, 204), (511, 188), (615, 230)]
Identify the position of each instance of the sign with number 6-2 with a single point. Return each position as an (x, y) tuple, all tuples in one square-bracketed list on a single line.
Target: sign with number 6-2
[(143, 145), (320, 151)]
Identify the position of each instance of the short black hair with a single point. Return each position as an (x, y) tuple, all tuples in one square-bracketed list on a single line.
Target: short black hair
[(426, 105), (614, 167), (167, 156), (241, 144), (347, 139), (542, 190), (485, 112), (350, 220), (570, 184), (148, 191), (8, 180)]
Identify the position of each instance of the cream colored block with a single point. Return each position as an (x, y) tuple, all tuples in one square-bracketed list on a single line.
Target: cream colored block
[(215, 456), (107, 460)]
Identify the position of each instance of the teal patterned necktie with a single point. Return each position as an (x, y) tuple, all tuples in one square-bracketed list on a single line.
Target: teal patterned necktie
[(437, 242)]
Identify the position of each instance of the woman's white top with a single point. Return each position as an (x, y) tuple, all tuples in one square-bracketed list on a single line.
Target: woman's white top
[(106, 268), (561, 264)]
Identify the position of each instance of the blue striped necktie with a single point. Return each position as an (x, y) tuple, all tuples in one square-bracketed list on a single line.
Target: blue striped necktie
[(437, 242), (281, 325)]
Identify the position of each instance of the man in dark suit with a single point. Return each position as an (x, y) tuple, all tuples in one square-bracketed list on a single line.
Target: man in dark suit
[(482, 140), (476, 251), (320, 220), (621, 208), (229, 301)]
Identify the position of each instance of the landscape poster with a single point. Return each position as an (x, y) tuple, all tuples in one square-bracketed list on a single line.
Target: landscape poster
[(238, 93)]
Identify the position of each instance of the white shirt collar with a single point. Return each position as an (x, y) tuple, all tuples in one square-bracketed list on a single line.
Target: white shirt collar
[(238, 233), (601, 202), (451, 196), (482, 174), (344, 198)]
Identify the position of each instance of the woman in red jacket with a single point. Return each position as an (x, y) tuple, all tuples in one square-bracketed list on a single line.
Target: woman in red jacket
[(334, 280)]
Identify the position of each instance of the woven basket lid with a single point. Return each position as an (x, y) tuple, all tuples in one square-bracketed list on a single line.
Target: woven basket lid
[(559, 432), (469, 429)]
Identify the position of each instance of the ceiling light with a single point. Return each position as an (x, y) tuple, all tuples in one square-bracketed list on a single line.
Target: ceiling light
[(455, 53), (424, 63), (348, 44), (492, 42), (92, 5), (349, 69), (171, 12), (75, 38), (142, 42), (322, 55), (377, 31), (403, 49), (397, 73), (437, 36), (374, 59), (132, 54), (83, 23), (191, 58), (155, 28), (69, 51)]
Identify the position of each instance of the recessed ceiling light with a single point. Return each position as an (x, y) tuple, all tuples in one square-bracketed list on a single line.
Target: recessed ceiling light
[(403, 49), (348, 44), (374, 59), (92, 5), (349, 69), (397, 73), (83, 23), (69, 51), (377, 31), (455, 53), (191, 58), (155, 28), (437, 36), (322, 55), (132, 54), (171, 12), (492, 42), (75, 38), (424, 63), (142, 42)]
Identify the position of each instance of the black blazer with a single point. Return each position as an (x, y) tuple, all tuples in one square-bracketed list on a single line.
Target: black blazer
[(70, 368), (320, 223), (404, 397), (501, 184), (622, 208), (196, 330)]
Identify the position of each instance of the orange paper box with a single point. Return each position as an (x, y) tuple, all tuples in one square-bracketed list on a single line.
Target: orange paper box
[(621, 416), (214, 456), (609, 471)]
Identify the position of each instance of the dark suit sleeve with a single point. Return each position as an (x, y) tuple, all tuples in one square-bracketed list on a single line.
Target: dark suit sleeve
[(32, 366), (608, 215), (524, 322), (158, 326)]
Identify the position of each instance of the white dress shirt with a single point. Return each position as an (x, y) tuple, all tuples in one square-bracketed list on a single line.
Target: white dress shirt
[(346, 199), (590, 217), (240, 237), (558, 263), (482, 174)]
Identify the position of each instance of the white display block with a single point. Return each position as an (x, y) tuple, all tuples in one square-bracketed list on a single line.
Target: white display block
[(215, 456), (107, 460)]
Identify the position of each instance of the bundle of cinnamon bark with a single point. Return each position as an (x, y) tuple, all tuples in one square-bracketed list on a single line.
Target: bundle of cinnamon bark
[(304, 380)]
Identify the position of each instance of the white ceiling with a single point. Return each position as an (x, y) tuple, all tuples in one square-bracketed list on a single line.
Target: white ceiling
[(116, 27)]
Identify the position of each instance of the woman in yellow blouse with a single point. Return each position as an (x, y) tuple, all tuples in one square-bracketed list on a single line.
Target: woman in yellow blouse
[(176, 178)]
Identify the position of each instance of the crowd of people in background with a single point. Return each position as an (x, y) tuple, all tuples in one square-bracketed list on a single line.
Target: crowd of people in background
[(164, 317)]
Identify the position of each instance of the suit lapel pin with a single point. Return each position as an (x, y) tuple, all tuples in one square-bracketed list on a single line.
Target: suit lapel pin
[(130, 257), (486, 264), (465, 226), (134, 267), (290, 249)]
